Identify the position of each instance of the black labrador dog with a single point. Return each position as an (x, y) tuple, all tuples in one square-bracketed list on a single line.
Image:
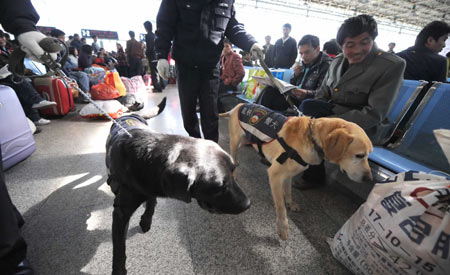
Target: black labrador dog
[(148, 165)]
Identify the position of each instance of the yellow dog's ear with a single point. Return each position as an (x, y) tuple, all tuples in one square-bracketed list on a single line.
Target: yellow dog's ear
[(335, 144)]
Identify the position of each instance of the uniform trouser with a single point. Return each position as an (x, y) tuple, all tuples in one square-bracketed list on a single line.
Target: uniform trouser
[(12, 246), (315, 108), (199, 84), (157, 82)]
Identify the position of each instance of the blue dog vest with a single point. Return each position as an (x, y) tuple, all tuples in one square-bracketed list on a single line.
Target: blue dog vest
[(128, 122), (259, 123)]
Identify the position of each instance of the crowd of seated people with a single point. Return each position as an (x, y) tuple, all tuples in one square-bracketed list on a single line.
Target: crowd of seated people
[(86, 64), (352, 78), (29, 98)]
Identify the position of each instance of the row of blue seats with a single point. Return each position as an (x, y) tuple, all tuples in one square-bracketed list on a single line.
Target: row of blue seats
[(415, 147)]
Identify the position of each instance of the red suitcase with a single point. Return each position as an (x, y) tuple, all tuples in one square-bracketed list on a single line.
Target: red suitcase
[(58, 90)]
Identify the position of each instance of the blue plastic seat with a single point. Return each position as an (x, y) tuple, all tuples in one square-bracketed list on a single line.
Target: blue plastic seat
[(418, 149), (406, 96)]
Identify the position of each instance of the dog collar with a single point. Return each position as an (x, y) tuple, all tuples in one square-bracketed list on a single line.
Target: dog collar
[(318, 149)]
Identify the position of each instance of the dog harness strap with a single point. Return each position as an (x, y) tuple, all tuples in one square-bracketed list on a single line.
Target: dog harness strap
[(289, 153), (260, 152)]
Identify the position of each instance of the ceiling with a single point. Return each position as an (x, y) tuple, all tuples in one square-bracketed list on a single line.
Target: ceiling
[(408, 14)]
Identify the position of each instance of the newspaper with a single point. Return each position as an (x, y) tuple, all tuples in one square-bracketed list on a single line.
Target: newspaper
[(284, 86)]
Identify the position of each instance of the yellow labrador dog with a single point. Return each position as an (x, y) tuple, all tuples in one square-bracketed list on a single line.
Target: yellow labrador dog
[(299, 142)]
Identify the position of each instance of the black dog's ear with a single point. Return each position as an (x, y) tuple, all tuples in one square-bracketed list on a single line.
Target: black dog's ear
[(176, 185)]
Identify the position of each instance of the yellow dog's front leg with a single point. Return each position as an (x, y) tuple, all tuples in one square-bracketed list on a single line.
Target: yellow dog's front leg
[(276, 185)]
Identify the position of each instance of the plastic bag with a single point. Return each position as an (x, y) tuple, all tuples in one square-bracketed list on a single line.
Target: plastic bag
[(403, 228), (113, 79), (103, 91), (252, 84), (111, 107), (134, 85)]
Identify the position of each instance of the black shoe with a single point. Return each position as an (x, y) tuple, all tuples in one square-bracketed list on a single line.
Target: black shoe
[(24, 268), (302, 184), (157, 91)]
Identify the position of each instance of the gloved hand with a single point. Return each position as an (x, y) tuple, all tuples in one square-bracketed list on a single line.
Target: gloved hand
[(257, 52), (163, 68), (29, 42)]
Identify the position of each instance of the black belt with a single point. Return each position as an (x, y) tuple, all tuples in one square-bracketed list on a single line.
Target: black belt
[(289, 153)]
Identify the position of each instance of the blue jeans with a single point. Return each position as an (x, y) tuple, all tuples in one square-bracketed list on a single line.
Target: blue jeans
[(81, 78)]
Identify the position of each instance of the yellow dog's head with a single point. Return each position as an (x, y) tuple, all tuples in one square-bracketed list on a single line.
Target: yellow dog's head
[(347, 145)]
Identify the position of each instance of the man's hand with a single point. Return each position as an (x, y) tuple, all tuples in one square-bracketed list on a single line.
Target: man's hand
[(299, 93), (163, 68), (29, 42), (297, 70), (257, 52), (227, 81)]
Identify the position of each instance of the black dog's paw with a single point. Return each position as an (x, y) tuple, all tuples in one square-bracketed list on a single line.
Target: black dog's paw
[(145, 225)]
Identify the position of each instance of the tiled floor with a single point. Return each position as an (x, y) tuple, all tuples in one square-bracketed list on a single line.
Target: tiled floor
[(62, 193)]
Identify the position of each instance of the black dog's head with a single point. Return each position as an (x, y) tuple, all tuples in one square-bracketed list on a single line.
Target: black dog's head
[(207, 171)]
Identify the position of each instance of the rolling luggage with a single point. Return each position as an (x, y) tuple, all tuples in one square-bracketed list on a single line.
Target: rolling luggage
[(55, 89), (16, 139)]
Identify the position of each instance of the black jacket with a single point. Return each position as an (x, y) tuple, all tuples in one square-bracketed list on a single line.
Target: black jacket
[(285, 53), (18, 16), (315, 73), (424, 64), (197, 29), (150, 46), (268, 55)]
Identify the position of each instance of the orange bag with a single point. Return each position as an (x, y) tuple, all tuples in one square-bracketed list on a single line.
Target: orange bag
[(104, 91), (113, 79)]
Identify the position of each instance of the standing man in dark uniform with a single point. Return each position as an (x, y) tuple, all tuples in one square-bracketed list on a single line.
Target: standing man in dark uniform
[(157, 82), (19, 18), (195, 30)]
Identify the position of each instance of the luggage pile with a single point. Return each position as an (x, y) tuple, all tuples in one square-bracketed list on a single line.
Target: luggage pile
[(115, 96)]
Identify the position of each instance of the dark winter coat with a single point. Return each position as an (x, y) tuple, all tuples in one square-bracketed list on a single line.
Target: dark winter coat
[(424, 64), (196, 30), (285, 53)]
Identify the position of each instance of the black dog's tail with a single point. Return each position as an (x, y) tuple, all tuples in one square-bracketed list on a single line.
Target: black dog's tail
[(154, 111)]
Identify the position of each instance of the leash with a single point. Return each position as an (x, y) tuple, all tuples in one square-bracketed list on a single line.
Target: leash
[(277, 84), (53, 45)]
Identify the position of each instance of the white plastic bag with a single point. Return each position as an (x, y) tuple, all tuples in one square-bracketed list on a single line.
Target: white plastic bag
[(403, 228), (111, 107)]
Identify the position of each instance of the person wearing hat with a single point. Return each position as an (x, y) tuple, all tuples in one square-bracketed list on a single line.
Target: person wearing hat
[(361, 86)]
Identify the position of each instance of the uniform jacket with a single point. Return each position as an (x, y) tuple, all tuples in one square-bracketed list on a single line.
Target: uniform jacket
[(18, 16), (196, 30), (364, 94), (424, 64), (285, 53), (233, 70), (134, 48), (268, 55), (315, 73), (150, 46)]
